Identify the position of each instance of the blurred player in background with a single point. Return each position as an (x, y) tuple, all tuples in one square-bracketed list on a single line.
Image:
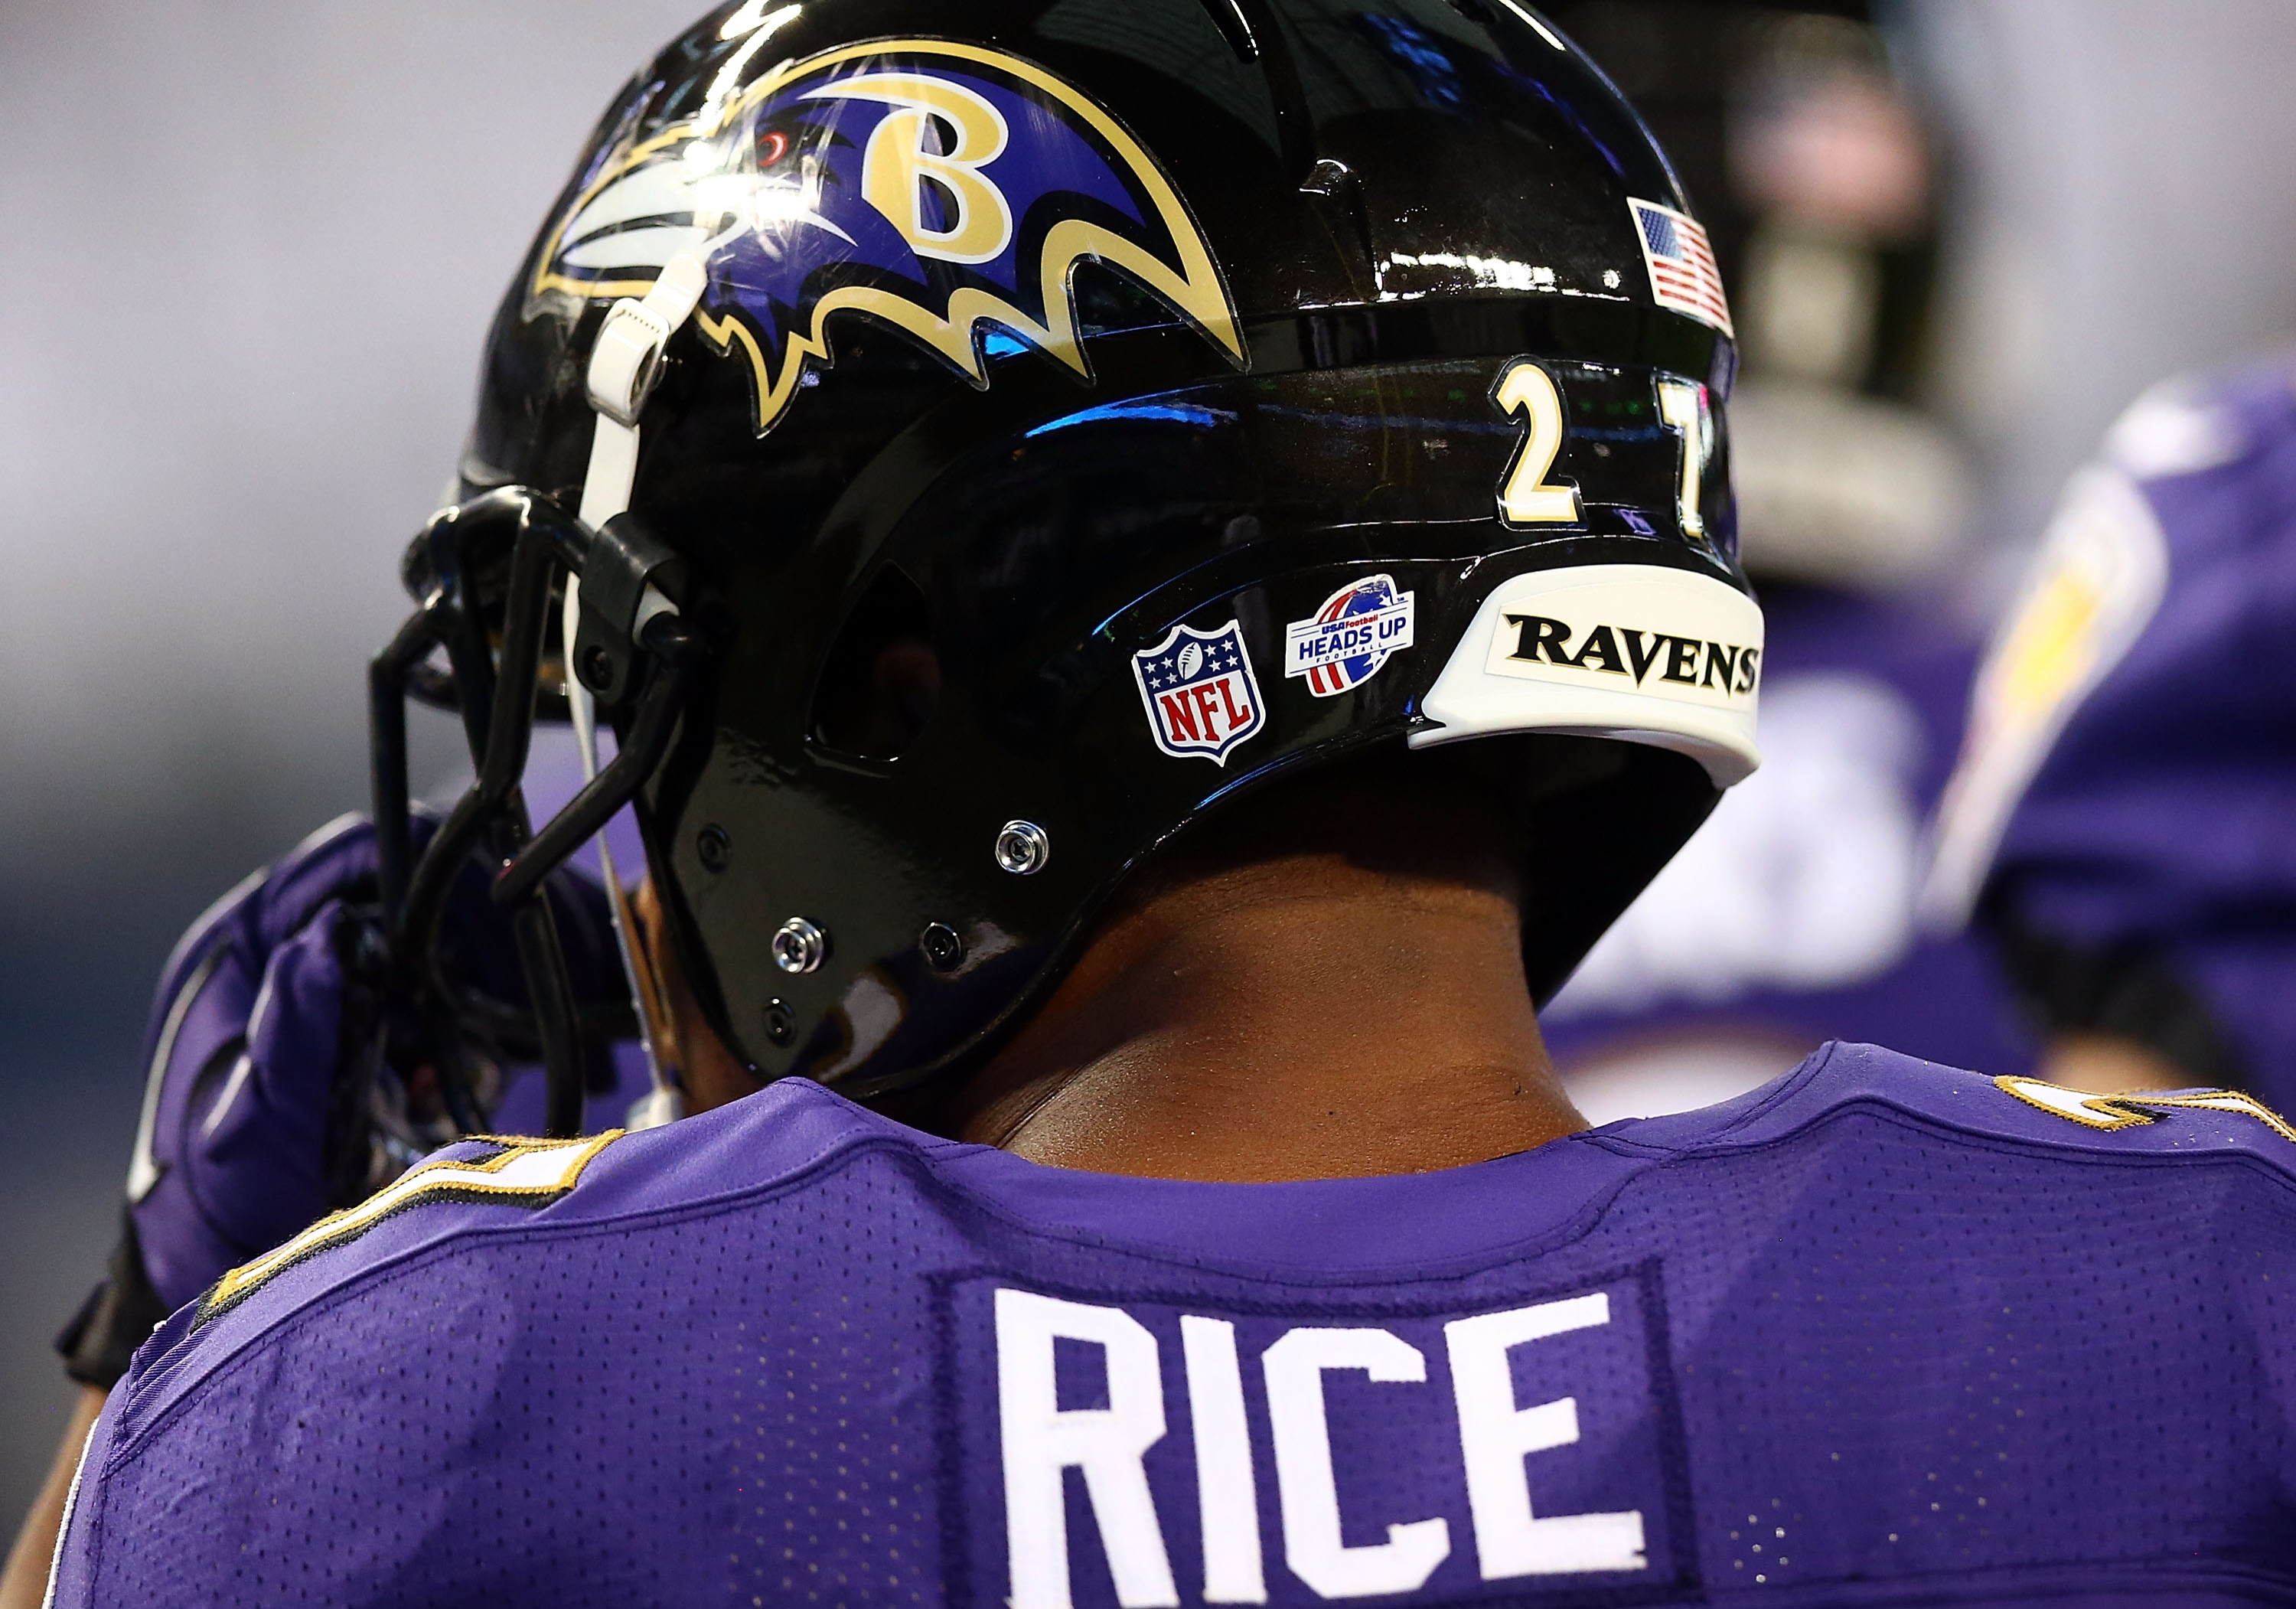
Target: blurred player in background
[(2119, 824), (1789, 920)]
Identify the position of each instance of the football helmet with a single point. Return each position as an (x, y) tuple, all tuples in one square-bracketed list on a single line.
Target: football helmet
[(978, 440)]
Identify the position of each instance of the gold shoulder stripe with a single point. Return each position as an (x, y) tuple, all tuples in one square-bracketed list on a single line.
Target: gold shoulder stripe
[(2224, 1100), (2129, 1111), (530, 1173)]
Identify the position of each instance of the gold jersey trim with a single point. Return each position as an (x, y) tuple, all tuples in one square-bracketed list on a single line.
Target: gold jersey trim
[(2130, 1111), (525, 1172)]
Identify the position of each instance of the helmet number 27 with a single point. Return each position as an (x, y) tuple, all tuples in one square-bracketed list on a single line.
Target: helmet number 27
[(1526, 391)]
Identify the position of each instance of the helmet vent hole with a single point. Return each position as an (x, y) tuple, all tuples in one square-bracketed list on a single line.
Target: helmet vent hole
[(881, 684)]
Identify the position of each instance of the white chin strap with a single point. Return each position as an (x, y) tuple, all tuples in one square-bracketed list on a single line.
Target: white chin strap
[(624, 365)]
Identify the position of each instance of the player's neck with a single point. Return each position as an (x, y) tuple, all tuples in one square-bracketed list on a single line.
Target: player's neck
[(1303, 1015)]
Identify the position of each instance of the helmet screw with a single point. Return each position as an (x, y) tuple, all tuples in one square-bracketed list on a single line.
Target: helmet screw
[(1022, 848), (942, 947), (798, 945), (713, 849), (781, 1022), (597, 668)]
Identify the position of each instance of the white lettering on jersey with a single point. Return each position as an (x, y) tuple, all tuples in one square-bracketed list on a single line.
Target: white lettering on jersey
[(1295, 1366), (1042, 1440), (1227, 1498), (1496, 1436), (1373, 1482)]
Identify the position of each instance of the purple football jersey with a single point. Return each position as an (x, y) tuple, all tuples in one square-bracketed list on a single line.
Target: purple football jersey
[(2127, 792), (1880, 1333)]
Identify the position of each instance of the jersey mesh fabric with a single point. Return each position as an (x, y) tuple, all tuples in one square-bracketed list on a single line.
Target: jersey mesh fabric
[(1881, 1333)]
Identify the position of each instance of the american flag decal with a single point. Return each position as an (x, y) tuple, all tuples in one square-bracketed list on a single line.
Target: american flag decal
[(1683, 275)]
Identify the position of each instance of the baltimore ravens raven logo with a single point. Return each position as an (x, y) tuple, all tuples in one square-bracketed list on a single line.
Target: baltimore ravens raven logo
[(943, 187)]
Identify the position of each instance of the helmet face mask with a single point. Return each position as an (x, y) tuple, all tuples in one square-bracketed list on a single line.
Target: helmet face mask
[(1014, 562)]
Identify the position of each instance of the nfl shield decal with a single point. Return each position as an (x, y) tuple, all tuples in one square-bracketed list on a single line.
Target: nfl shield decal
[(1345, 642), (1200, 693)]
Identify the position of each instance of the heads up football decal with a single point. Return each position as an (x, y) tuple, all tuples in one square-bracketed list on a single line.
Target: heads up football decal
[(939, 186), (1348, 638)]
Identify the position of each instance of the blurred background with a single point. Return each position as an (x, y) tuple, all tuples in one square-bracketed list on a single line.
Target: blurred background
[(258, 243)]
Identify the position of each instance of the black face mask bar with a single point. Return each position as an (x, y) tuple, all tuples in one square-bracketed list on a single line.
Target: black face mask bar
[(636, 656)]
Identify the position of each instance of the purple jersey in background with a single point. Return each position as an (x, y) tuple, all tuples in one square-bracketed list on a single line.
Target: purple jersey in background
[(1846, 1340), (1788, 919), (2124, 817)]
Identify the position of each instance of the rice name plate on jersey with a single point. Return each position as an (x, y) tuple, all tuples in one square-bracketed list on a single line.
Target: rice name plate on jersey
[(1131, 1449)]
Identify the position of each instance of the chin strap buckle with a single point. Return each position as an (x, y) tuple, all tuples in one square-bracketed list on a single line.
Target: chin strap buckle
[(626, 360), (627, 580), (625, 366)]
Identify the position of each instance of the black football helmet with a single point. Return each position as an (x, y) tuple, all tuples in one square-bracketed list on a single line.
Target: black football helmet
[(989, 435)]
